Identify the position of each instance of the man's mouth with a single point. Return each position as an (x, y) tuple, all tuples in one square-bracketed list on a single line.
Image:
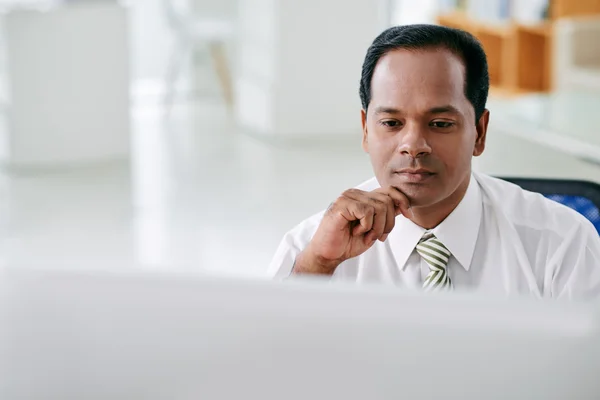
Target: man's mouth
[(414, 175)]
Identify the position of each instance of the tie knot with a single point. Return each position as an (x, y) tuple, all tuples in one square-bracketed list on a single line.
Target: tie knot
[(426, 236)]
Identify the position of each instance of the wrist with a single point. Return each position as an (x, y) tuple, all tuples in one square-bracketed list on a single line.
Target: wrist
[(307, 262)]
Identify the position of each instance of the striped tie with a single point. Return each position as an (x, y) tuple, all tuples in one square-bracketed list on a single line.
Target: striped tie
[(436, 255)]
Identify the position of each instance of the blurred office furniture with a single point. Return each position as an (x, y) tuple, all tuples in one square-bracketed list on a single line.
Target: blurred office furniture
[(194, 34), (577, 53), (582, 196), (68, 83), (562, 120), (519, 48), (298, 71), (405, 12)]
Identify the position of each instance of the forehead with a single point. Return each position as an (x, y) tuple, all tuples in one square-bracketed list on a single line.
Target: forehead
[(419, 79)]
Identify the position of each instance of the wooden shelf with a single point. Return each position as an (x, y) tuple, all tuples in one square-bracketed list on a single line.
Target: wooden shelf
[(501, 30), (496, 39), (544, 29), (535, 61), (460, 20), (573, 8), (505, 92), (455, 19), (519, 55)]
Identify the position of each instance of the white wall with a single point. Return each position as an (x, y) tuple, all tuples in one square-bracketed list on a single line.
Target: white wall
[(300, 64), (68, 70), (321, 92)]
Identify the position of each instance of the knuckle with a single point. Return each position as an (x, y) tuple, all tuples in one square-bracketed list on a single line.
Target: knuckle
[(382, 203), (367, 208), (384, 197), (358, 206), (337, 204), (375, 199), (351, 192)]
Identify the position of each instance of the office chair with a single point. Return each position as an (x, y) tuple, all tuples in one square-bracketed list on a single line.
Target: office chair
[(581, 196), (194, 34)]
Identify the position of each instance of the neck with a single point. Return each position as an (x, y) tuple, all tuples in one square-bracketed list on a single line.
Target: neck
[(430, 216)]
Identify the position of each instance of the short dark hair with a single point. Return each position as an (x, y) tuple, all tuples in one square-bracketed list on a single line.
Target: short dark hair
[(416, 37)]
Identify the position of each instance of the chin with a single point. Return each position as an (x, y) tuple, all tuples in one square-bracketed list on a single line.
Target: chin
[(423, 199), (421, 195)]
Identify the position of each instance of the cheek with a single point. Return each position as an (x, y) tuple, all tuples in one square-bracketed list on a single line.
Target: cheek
[(454, 152), (381, 148)]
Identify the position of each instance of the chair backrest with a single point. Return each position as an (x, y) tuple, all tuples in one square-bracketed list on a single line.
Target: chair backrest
[(581, 196)]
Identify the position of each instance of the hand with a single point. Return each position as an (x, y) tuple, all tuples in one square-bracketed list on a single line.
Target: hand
[(350, 226)]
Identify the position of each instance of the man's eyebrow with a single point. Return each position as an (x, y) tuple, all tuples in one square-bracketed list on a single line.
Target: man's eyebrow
[(444, 109), (435, 110), (386, 110)]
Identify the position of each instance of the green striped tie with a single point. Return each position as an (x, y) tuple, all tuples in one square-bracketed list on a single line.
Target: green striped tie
[(436, 255)]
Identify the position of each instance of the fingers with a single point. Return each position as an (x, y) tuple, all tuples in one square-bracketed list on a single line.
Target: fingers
[(377, 231), (380, 206), (358, 213), (390, 212), (372, 214), (401, 202)]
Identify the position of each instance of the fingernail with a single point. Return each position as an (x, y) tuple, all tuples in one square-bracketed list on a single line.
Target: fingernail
[(383, 237)]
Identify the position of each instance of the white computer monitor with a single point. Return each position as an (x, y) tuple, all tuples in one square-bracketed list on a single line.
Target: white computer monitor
[(134, 336)]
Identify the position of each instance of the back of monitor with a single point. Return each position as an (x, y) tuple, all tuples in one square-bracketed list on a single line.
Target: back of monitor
[(69, 336)]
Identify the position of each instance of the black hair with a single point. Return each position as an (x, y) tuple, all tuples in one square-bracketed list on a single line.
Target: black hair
[(416, 37)]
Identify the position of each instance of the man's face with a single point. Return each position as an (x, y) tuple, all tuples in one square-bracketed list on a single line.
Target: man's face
[(420, 129)]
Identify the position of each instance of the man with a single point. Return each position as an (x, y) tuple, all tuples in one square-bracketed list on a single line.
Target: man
[(426, 221)]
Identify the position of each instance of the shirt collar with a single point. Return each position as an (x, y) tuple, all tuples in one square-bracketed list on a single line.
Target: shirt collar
[(464, 220)]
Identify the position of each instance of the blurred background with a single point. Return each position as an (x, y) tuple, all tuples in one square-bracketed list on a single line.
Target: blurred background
[(190, 135)]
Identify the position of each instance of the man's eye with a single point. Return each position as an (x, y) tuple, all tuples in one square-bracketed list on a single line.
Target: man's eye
[(442, 124), (390, 123)]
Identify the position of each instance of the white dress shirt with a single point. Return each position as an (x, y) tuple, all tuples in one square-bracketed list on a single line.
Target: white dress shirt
[(503, 239)]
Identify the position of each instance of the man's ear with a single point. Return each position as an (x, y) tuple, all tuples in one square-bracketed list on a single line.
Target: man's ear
[(482, 126), (365, 138)]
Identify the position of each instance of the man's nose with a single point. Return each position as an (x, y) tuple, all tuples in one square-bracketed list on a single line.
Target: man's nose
[(414, 142)]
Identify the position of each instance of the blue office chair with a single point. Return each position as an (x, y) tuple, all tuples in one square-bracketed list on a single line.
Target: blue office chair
[(581, 196)]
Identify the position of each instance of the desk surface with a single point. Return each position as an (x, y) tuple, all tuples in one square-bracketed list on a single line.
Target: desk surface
[(512, 155), (564, 121)]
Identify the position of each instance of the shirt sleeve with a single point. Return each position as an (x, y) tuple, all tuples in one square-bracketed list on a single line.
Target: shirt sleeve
[(291, 245), (582, 261)]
